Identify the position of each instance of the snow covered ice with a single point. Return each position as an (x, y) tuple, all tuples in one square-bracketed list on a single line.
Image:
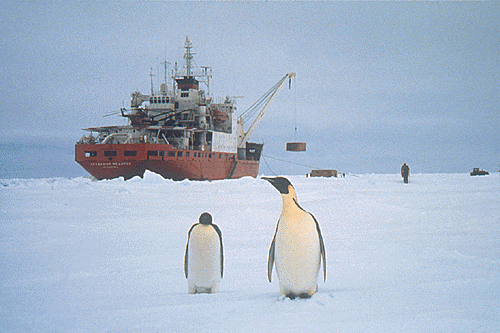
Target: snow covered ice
[(83, 256)]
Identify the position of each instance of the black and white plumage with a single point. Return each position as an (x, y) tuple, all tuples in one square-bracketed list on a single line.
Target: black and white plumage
[(204, 256), (297, 248)]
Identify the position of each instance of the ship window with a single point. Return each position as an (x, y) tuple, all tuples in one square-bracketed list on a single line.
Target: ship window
[(179, 153), (184, 94), (156, 153), (167, 100), (188, 154), (171, 153), (210, 155), (151, 100), (163, 100), (90, 154), (130, 153), (220, 155), (110, 153)]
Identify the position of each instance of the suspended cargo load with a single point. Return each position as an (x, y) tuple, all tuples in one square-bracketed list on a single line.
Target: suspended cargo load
[(295, 146)]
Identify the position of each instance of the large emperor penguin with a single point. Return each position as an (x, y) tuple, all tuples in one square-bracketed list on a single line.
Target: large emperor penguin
[(204, 256), (297, 247)]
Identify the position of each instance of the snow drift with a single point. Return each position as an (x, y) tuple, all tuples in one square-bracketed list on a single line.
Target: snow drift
[(83, 256)]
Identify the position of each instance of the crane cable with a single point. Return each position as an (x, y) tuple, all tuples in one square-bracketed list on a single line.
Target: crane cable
[(279, 159), (245, 116), (272, 171), (294, 102)]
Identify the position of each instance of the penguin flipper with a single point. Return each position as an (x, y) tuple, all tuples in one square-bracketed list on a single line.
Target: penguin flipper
[(270, 258), (221, 249), (186, 255), (321, 246)]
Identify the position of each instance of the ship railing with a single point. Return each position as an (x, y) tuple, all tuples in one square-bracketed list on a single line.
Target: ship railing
[(114, 135), (90, 140), (222, 100)]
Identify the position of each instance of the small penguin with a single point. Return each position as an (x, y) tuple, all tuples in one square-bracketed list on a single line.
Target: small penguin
[(204, 256), (297, 246)]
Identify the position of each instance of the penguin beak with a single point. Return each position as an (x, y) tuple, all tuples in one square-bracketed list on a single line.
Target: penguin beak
[(272, 180), (278, 184)]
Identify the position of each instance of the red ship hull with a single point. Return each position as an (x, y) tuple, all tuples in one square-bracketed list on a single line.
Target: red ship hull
[(108, 161)]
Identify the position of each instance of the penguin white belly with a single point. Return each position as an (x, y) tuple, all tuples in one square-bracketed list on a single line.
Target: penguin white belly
[(297, 255), (204, 259)]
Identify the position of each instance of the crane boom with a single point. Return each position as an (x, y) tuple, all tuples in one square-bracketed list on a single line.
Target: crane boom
[(263, 104)]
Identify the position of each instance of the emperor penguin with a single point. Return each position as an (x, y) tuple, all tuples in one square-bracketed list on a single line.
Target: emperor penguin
[(297, 248), (204, 256)]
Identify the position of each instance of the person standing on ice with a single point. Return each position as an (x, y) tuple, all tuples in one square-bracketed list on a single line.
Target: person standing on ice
[(405, 172)]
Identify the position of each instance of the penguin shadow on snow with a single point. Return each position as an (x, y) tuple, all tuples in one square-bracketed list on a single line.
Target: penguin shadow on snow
[(319, 299), (297, 248)]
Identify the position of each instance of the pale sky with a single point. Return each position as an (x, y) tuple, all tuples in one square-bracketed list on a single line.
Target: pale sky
[(378, 83)]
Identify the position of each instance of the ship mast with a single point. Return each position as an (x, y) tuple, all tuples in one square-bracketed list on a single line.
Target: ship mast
[(165, 64), (151, 75), (207, 73), (192, 76), (188, 56)]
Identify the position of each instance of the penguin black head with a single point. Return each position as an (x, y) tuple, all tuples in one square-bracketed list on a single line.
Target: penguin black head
[(280, 183), (205, 218)]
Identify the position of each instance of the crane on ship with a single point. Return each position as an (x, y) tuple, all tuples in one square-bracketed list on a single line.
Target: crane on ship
[(257, 110)]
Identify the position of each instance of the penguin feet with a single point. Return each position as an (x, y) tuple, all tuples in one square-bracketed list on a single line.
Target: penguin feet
[(192, 289), (294, 296), (203, 290)]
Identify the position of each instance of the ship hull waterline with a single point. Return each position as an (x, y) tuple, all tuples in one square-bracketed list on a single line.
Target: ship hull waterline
[(108, 161)]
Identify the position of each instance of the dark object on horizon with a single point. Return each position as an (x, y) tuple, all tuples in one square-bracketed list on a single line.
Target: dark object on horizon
[(323, 173), (295, 146), (477, 172), (405, 172)]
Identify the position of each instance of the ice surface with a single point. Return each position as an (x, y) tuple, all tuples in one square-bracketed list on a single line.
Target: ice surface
[(83, 256)]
